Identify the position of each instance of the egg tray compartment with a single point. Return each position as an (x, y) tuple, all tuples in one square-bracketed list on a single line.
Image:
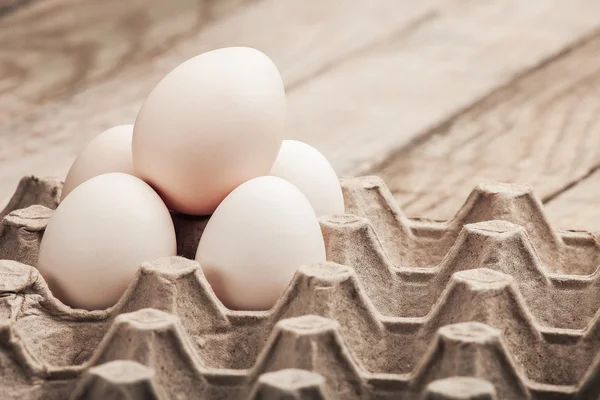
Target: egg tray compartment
[(494, 293)]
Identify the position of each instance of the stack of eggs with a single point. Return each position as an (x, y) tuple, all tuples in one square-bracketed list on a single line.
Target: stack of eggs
[(207, 141)]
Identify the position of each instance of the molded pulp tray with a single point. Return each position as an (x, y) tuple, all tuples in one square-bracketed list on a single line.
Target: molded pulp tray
[(493, 304)]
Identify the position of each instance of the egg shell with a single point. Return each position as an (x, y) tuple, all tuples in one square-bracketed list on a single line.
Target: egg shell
[(99, 235), (256, 240), (307, 169), (211, 124), (110, 151)]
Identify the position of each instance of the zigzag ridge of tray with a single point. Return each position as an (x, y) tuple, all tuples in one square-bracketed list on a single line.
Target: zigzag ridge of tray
[(312, 343), (177, 286), (437, 248), (498, 245), (409, 251), (423, 243), (352, 241)]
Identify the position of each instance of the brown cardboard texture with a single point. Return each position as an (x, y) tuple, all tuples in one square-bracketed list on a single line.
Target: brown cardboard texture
[(493, 304)]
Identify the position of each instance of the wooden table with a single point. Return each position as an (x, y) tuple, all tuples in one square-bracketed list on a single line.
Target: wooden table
[(433, 95)]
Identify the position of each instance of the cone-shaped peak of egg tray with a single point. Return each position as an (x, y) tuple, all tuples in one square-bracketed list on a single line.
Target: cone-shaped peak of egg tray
[(119, 380), (404, 317), (460, 388), (32, 190)]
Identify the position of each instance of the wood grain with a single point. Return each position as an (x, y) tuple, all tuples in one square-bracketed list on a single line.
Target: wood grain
[(362, 81), (302, 37), (55, 48), (542, 130), (363, 110), (578, 207)]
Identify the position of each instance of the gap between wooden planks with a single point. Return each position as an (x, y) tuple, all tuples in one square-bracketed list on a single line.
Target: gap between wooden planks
[(578, 207), (543, 130), (354, 103)]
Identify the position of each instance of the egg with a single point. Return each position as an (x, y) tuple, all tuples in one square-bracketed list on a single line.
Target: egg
[(256, 240), (99, 235), (211, 124), (307, 169), (110, 151)]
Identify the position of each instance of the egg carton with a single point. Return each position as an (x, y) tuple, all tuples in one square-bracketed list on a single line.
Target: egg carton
[(493, 303)]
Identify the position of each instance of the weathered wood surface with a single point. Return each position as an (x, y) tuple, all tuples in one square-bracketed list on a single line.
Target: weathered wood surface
[(434, 95), (364, 110), (578, 207), (542, 130), (54, 48), (302, 38)]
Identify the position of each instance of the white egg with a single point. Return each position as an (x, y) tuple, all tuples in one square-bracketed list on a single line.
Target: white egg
[(212, 123), (307, 169), (256, 240), (110, 151), (98, 237)]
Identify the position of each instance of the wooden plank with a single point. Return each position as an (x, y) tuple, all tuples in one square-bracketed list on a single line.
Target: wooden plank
[(577, 208), (543, 130), (54, 48), (303, 38), (362, 111)]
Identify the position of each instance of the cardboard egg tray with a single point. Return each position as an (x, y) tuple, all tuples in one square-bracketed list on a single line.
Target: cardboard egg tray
[(493, 304)]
